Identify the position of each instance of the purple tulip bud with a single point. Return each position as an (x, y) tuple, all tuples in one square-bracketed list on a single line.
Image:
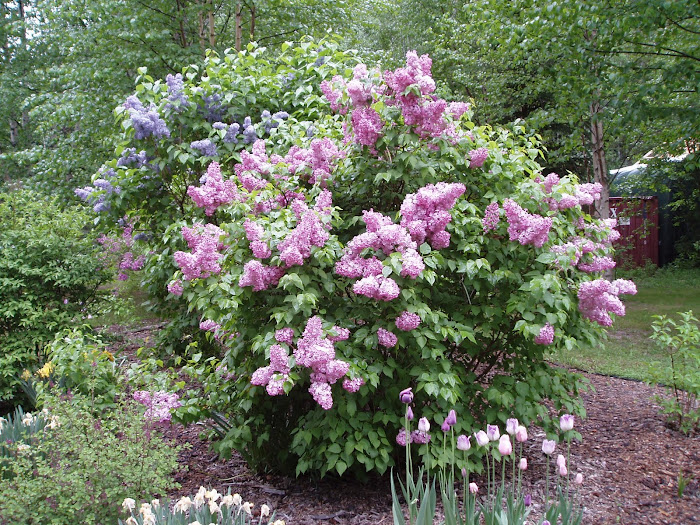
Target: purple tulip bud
[(546, 522), (451, 418), (463, 442), (528, 500), (406, 396), (445, 427), (409, 413), (464, 472), (566, 422), (512, 426), (423, 425)]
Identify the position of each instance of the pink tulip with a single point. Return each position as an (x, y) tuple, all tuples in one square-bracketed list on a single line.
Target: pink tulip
[(492, 432), (566, 422), (578, 479), (481, 438), (523, 464), (521, 434), (561, 461), (463, 442), (548, 446), (445, 427), (473, 488), (423, 425), (562, 470), (504, 445), (451, 418), (512, 426)]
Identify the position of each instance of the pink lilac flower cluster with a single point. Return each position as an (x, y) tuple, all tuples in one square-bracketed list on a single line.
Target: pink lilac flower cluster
[(259, 276), (606, 229), (313, 350), (215, 191), (407, 321), (206, 247), (158, 404), (309, 231), (121, 248), (318, 159), (546, 335), (584, 194), (209, 326), (598, 298), (524, 227), (255, 166), (426, 213), (175, 287), (491, 217), (386, 338), (477, 157), (254, 232)]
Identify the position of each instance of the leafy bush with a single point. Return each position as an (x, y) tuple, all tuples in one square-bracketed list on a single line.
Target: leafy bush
[(81, 470), (400, 244), (48, 276), (680, 341), (80, 363), (18, 432)]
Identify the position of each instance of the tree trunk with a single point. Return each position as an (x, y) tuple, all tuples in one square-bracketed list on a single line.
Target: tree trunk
[(14, 132), (239, 26), (600, 166), (212, 28)]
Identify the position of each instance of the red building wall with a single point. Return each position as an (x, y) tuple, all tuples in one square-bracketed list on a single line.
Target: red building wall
[(638, 224)]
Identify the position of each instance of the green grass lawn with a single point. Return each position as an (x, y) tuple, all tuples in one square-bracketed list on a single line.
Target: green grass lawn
[(629, 351)]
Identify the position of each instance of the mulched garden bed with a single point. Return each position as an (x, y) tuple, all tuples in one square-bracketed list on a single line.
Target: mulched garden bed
[(629, 458)]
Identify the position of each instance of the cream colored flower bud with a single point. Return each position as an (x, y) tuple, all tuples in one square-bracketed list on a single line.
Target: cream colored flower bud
[(248, 507), (264, 511), (227, 500), (183, 505), (237, 500), (128, 504), (131, 521)]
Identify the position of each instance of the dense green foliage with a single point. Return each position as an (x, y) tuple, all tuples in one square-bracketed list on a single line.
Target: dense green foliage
[(82, 469), (49, 275)]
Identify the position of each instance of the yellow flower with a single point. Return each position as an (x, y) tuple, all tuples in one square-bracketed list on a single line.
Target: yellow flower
[(45, 371), (26, 375), (109, 355)]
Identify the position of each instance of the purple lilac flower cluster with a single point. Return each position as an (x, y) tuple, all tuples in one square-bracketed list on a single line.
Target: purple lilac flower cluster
[(491, 217), (386, 338), (524, 227), (407, 321), (313, 350), (477, 157), (546, 335), (158, 404), (205, 147), (97, 195), (146, 121), (206, 246), (318, 160), (130, 158), (584, 194), (597, 298), (215, 192), (309, 231), (177, 99), (175, 287), (259, 276)]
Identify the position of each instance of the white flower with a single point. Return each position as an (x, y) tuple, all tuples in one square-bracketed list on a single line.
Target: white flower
[(149, 518), (131, 521), (248, 507), (227, 500), (199, 497), (195, 523), (213, 507), (22, 448), (145, 508), (237, 500), (183, 505), (54, 423), (128, 504), (155, 503), (212, 495), (264, 511), (28, 419), (279, 522)]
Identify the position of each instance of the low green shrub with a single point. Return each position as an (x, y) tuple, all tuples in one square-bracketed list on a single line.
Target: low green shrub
[(48, 277), (82, 469), (680, 341)]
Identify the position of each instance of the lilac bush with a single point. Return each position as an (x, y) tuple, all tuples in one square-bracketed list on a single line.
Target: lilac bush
[(375, 237)]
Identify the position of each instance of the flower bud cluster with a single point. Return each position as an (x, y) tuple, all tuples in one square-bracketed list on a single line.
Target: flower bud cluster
[(524, 227), (426, 213), (215, 191), (146, 121), (158, 404)]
